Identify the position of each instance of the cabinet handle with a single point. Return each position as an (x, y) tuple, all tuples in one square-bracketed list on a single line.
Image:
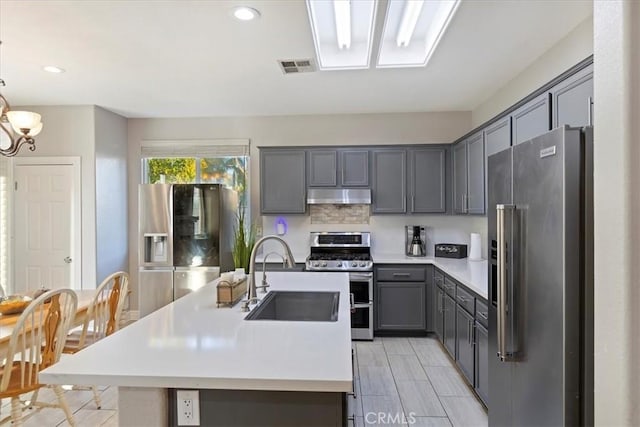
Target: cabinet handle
[(462, 299), (413, 203), (473, 333), (482, 314), (401, 274), (589, 111)]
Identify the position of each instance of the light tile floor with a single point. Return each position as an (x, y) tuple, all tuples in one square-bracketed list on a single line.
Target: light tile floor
[(399, 382), (411, 382)]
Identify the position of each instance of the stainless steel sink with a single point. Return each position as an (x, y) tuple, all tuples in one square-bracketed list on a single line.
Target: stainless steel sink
[(297, 306)]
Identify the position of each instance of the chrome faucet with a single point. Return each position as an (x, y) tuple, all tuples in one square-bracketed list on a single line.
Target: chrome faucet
[(264, 284), (252, 288)]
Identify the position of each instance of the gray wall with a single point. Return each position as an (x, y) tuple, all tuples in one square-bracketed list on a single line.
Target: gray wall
[(70, 131), (111, 193)]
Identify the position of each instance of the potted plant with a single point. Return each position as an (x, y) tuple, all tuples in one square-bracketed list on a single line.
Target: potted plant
[(244, 240)]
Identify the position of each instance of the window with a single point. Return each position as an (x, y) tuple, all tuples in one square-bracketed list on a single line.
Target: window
[(185, 162)]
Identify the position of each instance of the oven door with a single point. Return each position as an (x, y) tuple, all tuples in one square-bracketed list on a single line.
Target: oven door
[(361, 286), (362, 322)]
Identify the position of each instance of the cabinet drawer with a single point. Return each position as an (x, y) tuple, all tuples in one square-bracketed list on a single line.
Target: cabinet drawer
[(465, 300), (386, 274), (438, 278), (450, 287), (482, 313)]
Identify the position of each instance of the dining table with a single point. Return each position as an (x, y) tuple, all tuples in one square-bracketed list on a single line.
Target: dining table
[(8, 321)]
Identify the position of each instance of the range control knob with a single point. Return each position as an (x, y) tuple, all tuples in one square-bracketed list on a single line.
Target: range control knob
[(315, 264), (324, 263), (363, 264), (354, 264), (339, 264)]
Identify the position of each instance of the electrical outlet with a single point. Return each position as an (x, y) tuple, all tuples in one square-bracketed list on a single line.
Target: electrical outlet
[(188, 410)]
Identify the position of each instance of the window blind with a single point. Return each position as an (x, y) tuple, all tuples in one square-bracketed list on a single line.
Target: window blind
[(195, 148)]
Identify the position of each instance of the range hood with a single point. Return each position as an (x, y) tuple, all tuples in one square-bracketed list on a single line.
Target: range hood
[(339, 196)]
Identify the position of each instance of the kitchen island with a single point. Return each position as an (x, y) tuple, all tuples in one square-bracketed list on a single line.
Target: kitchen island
[(192, 344)]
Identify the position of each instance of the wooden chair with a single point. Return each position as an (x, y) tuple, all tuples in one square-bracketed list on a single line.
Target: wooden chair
[(103, 317), (35, 344)]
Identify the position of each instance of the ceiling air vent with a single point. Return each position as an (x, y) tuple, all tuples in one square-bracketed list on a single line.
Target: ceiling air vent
[(290, 66)]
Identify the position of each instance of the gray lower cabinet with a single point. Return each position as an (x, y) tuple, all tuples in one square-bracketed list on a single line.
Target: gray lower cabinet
[(572, 100), (531, 120), (449, 325), (438, 326), (427, 180), (401, 306), (389, 181), (282, 182), (481, 383), (430, 297), (465, 354)]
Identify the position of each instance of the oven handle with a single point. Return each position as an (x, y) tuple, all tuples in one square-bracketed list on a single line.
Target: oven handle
[(360, 276), (353, 304)]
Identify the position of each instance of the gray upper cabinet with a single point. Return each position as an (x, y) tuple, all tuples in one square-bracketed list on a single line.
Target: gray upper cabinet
[(282, 182), (427, 180), (460, 177), (531, 120), (572, 100), (475, 174), (389, 181), (343, 168), (323, 168), (468, 175), (354, 168), (497, 137)]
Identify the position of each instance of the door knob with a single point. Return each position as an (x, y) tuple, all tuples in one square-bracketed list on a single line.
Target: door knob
[(68, 259)]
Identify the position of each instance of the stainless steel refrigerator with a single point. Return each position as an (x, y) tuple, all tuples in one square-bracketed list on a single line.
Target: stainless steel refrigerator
[(541, 281), (185, 239)]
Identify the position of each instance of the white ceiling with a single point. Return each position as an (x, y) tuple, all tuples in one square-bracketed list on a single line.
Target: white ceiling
[(192, 59)]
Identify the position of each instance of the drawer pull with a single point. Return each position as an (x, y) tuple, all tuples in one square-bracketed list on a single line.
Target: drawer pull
[(401, 274), (483, 315), (462, 299)]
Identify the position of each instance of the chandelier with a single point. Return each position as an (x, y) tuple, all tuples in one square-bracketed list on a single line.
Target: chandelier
[(19, 126)]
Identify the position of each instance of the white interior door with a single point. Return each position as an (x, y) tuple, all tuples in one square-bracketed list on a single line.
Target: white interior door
[(46, 221)]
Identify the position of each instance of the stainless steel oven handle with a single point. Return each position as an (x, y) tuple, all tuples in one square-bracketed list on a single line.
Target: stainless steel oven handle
[(353, 303), (360, 276), (502, 280)]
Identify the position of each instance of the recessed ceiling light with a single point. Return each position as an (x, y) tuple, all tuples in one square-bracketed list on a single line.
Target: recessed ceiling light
[(53, 69), (245, 13)]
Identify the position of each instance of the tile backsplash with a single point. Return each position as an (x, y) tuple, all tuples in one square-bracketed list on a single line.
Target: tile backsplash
[(387, 231), (339, 214)]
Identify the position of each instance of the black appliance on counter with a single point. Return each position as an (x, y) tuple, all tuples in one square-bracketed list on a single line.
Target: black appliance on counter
[(451, 250), (349, 252), (415, 240)]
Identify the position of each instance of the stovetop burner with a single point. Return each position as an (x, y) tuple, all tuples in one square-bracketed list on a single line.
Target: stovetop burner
[(338, 256), (337, 251)]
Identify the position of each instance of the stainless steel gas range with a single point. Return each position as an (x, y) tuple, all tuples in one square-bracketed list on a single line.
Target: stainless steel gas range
[(349, 252)]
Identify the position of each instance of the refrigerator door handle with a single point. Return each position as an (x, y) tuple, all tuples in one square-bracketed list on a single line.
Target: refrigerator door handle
[(503, 355)]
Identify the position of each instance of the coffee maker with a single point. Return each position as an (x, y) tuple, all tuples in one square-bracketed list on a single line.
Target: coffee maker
[(415, 240)]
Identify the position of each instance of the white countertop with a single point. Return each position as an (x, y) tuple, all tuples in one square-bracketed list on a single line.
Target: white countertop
[(472, 274), (191, 343)]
